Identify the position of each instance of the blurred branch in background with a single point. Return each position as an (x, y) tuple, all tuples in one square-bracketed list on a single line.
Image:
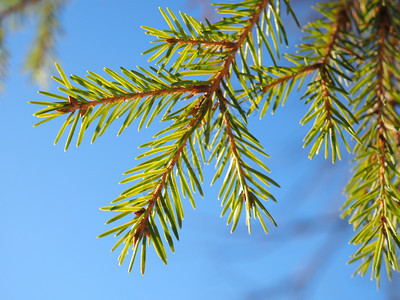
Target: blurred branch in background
[(14, 7), (40, 57)]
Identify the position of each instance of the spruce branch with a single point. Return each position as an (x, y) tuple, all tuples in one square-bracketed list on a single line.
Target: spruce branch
[(214, 88), (144, 213), (155, 178), (236, 159), (83, 106), (384, 24), (142, 228), (373, 195), (301, 71), (327, 55), (340, 23), (239, 184)]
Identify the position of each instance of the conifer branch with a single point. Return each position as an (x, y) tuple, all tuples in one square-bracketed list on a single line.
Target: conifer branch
[(305, 70), (384, 23), (242, 38), (373, 187), (199, 111), (219, 50), (330, 117), (240, 189), (340, 23), (341, 20), (326, 55), (83, 106), (236, 159), (190, 128)]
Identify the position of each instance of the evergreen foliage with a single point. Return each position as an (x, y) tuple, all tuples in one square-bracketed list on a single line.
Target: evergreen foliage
[(209, 77)]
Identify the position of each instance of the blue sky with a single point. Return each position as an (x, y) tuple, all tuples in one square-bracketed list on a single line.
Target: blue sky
[(50, 199)]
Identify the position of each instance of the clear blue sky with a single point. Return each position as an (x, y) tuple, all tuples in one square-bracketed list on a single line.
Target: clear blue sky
[(50, 199)]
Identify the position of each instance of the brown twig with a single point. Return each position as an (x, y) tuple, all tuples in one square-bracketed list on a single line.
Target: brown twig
[(83, 106), (326, 94), (384, 25), (225, 44), (223, 107), (306, 70), (242, 37), (143, 226), (340, 22), (209, 90)]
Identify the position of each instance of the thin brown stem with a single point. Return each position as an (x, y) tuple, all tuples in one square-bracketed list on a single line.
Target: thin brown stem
[(225, 44), (209, 90), (215, 87), (224, 72), (340, 23), (223, 107), (327, 97), (384, 22), (83, 106), (306, 70), (142, 228)]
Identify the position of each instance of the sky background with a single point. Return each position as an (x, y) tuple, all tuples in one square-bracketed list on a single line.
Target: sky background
[(50, 199)]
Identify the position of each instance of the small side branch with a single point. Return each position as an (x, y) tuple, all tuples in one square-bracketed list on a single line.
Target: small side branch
[(83, 106), (384, 24), (223, 107), (242, 38), (340, 24), (303, 71), (327, 97), (142, 229)]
